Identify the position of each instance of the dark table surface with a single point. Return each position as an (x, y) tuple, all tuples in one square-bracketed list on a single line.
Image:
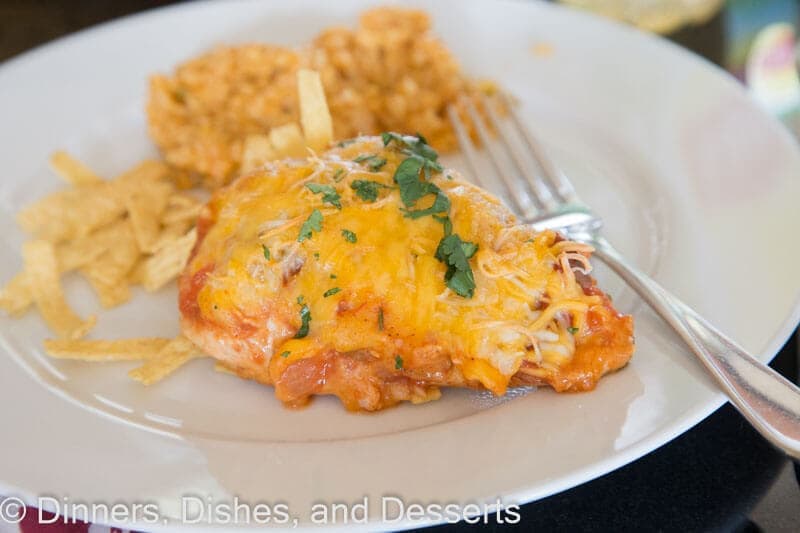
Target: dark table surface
[(708, 479)]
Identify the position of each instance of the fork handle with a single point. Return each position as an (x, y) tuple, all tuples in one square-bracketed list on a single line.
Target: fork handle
[(766, 399)]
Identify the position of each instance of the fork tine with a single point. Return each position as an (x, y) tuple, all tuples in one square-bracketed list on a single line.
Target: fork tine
[(465, 144), (536, 186), (561, 187), (521, 200)]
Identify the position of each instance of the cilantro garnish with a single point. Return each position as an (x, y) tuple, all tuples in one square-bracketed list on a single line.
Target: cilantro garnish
[(333, 276), (416, 148), (411, 187), (338, 175), (285, 354), (440, 205), (373, 161), (573, 330), (421, 157), (455, 253), (300, 300), (349, 236), (312, 223), (398, 362), (305, 318), (452, 251), (380, 319), (331, 292), (446, 223), (346, 142), (367, 190), (266, 251), (376, 164), (329, 194)]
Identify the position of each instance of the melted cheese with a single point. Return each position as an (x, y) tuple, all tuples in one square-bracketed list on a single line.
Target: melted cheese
[(525, 305)]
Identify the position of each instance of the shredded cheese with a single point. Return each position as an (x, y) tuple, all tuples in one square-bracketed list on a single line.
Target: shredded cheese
[(526, 300)]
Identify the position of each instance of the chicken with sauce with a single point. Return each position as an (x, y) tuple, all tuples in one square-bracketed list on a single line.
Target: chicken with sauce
[(371, 273)]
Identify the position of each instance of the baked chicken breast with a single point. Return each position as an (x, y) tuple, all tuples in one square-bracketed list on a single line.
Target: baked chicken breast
[(371, 273)]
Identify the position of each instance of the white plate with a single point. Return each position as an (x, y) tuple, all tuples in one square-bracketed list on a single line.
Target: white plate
[(697, 185)]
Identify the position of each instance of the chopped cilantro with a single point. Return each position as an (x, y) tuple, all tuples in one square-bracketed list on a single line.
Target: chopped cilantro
[(364, 157), (398, 362), (411, 187), (462, 282), (331, 292), (316, 255), (266, 251), (388, 136), (367, 190), (456, 253), (349, 236), (374, 162), (573, 330), (285, 354), (414, 147), (300, 299), (446, 222), (346, 142), (333, 276), (329, 194), (305, 318), (380, 319), (440, 205), (338, 175), (312, 223), (452, 251), (421, 158)]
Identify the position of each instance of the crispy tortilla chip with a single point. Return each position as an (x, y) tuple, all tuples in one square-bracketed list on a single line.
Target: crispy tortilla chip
[(173, 231), (136, 275), (145, 203), (98, 350), (180, 200), (110, 294), (71, 170), (172, 356), (79, 252), (72, 213), (43, 282), (147, 171), (181, 208), (168, 262), (314, 114), (120, 257), (287, 140), (257, 151), (15, 297)]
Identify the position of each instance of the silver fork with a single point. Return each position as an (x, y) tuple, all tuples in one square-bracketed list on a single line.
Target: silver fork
[(548, 200)]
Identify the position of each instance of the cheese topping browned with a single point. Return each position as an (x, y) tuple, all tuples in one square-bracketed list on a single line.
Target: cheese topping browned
[(318, 277)]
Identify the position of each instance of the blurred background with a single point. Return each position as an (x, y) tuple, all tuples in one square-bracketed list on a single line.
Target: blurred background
[(720, 476), (752, 39)]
